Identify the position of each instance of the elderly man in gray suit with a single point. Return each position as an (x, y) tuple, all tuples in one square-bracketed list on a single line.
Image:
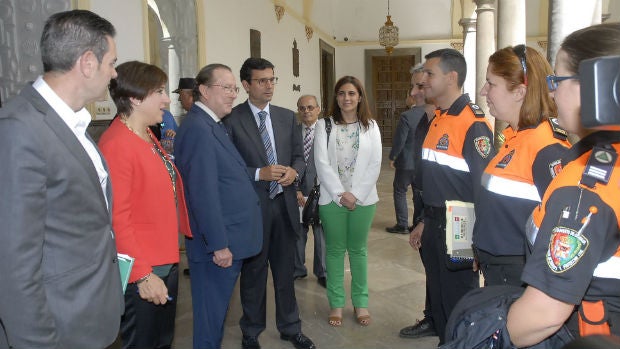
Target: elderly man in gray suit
[(267, 138), (309, 111), (402, 159), (60, 284)]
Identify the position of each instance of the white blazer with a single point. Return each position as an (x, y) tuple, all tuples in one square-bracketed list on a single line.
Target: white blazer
[(367, 166)]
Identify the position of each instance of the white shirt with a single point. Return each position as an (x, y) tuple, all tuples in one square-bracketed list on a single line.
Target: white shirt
[(208, 111), (77, 122)]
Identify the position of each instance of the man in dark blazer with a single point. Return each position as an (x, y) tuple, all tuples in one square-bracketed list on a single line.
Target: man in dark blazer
[(270, 143), (60, 284), (225, 213), (402, 159), (309, 111)]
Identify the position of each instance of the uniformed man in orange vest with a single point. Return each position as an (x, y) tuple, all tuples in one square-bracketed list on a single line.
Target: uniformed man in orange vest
[(573, 274), (455, 152)]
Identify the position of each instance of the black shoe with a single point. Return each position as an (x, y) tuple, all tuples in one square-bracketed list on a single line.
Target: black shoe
[(186, 272), (397, 229), (300, 341), (303, 276), (422, 328), (322, 281), (249, 342)]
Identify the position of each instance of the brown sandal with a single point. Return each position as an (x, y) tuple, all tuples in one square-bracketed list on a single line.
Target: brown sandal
[(363, 320), (335, 320)]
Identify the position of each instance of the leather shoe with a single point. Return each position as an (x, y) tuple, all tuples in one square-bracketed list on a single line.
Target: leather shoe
[(297, 277), (397, 229), (422, 328), (322, 281), (249, 342), (299, 340)]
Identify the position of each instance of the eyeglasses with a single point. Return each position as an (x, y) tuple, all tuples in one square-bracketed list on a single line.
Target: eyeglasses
[(227, 89), (264, 81), (302, 108), (519, 50), (553, 81)]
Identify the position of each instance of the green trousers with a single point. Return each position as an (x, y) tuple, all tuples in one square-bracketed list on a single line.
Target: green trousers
[(346, 231)]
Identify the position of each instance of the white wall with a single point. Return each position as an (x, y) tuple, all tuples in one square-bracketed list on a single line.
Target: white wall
[(228, 41), (128, 24)]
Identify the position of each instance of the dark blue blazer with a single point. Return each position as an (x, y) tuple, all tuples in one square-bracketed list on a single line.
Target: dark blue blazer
[(224, 210), (289, 148), (402, 152)]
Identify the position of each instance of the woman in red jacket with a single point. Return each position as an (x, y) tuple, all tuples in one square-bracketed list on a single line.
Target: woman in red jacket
[(149, 205)]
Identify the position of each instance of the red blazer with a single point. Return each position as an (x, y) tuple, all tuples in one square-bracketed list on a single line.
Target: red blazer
[(145, 219)]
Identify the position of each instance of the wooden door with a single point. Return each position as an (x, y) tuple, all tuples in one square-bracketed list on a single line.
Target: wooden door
[(391, 85)]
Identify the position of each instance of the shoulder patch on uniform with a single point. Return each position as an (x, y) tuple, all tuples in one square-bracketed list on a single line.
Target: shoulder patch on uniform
[(505, 160), (558, 132), (483, 146), (443, 142), (566, 247), (599, 167), (555, 167), (478, 112)]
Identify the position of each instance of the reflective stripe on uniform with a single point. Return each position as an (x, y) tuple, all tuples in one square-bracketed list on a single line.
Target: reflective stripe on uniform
[(444, 159), (508, 187), (610, 269)]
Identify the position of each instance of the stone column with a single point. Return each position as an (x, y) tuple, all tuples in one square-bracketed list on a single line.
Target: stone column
[(510, 32), (469, 51), (485, 46), (566, 16)]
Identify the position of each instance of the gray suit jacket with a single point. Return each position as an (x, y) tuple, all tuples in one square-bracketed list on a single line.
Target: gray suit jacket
[(306, 179), (289, 148), (402, 144), (60, 281)]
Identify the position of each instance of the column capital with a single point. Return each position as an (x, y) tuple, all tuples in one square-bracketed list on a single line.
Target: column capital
[(468, 24), (484, 5)]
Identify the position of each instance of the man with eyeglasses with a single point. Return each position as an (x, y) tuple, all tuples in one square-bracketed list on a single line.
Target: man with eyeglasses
[(226, 216), (402, 160), (309, 111), (270, 142)]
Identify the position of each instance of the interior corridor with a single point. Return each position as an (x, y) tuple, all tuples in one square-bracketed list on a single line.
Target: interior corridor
[(396, 286)]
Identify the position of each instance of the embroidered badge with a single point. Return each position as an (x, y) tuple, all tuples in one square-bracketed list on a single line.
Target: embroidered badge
[(483, 146), (505, 160), (443, 142), (555, 167), (566, 247)]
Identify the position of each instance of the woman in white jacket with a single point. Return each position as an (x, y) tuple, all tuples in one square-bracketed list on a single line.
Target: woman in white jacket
[(348, 163)]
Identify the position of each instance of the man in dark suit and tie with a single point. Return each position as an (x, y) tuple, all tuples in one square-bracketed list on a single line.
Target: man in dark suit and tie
[(270, 143), (309, 111), (402, 159), (61, 285), (225, 213)]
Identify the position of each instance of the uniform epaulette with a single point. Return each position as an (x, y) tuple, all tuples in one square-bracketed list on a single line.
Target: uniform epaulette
[(478, 112), (558, 132)]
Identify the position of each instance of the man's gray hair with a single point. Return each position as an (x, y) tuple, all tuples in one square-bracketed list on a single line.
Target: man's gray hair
[(418, 68), (68, 35)]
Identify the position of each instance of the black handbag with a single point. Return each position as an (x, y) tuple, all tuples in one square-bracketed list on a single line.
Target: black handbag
[(310, 212)]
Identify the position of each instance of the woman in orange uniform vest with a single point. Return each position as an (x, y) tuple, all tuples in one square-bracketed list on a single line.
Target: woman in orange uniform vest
[(515, 180), (574, 271)]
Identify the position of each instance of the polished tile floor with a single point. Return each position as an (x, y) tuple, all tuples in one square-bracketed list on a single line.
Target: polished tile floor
[(396, 285)]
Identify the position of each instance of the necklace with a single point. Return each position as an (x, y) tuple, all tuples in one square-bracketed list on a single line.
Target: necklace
[(145, 136)]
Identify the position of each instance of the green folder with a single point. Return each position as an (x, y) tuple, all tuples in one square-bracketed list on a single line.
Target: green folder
[(125, 263)]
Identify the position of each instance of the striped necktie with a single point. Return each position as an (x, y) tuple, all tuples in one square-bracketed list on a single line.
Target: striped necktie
[(274, 187), (308, 137)]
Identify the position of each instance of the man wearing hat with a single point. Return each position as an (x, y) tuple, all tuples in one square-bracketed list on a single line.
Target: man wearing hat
[(186, 97)]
